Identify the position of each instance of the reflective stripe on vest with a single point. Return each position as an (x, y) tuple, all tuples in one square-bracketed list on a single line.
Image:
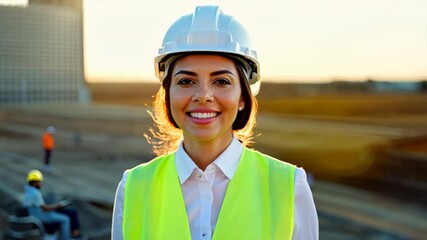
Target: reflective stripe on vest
[(258, 204)]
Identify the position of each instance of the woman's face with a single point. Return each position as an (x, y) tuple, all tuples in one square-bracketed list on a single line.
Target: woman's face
[(205, 96)]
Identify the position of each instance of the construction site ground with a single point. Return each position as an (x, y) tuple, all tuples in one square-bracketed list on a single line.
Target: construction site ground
[(95, 143)]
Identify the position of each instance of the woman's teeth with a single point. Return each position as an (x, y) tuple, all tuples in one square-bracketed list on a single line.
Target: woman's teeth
[(203, 115)]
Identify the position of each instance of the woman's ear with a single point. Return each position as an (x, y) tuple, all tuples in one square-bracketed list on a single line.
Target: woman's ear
[(241, 104)]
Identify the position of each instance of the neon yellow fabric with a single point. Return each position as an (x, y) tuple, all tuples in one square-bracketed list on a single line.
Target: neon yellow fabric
[(259, 202), (154, 207)]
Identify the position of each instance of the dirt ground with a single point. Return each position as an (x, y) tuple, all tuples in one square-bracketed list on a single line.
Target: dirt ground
[(97, 142), (87, 163)]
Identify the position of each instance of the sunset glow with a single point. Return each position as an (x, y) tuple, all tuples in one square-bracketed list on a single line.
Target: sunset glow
[(304, 40)]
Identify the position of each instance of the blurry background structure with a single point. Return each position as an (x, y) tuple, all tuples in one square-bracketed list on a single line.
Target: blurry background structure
[(41, 53)]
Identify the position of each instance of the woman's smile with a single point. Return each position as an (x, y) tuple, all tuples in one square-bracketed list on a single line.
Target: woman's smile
[(203, 115)]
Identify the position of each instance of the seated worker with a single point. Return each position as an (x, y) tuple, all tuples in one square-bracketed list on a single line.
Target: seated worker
[(54, 213)]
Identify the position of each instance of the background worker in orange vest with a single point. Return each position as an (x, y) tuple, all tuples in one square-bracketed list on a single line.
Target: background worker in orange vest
[(48, 146), (206, 183)]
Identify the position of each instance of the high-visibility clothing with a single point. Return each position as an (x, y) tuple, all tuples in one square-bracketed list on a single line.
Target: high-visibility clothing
[(48, 142), (258, 204)]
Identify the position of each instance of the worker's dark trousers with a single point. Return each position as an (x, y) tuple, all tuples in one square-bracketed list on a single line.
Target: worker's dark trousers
[(47, 155), (72, 214)]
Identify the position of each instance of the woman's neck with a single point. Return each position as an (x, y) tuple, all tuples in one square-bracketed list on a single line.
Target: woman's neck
[(204, 153)]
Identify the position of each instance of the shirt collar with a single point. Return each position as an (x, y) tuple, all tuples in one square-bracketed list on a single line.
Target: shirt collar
[(184, 164), (227, 161)]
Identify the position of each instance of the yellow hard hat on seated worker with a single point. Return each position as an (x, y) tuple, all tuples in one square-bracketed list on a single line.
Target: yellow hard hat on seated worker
[(34, 175), (209, 30)]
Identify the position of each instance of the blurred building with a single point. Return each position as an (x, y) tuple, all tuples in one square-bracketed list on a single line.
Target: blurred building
[(403, 86), (41, 53)]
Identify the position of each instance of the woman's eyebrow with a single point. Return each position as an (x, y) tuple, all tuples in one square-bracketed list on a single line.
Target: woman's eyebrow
[(211, 74), (186, 72), (221, 72)]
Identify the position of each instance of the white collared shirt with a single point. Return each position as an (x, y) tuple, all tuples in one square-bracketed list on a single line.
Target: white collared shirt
[(204, 193)]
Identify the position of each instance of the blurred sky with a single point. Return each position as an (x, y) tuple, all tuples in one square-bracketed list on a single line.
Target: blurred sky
[(296, 40)]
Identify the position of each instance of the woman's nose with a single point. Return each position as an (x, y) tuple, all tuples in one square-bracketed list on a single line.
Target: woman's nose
[(202, 94)]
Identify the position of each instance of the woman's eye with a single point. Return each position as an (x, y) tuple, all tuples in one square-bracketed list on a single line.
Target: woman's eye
[(222, 81), (185, 81)]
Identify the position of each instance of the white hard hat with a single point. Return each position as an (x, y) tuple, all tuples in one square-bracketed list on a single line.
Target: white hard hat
[(208, 29)]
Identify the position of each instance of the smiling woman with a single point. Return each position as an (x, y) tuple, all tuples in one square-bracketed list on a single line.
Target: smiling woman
[(206, 183), (205, 97)]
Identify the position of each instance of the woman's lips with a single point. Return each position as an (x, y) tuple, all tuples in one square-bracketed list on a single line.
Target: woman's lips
[(203, 117)]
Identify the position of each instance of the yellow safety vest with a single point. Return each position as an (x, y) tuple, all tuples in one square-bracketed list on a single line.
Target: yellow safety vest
[(258, 204)]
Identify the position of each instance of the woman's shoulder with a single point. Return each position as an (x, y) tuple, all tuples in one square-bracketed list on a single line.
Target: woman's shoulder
[(152, 165), (277, 165), (268, 159)]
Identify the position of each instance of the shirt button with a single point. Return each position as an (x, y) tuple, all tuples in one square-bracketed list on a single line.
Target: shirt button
[(204, 234), (207, 196), (199, 176)]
